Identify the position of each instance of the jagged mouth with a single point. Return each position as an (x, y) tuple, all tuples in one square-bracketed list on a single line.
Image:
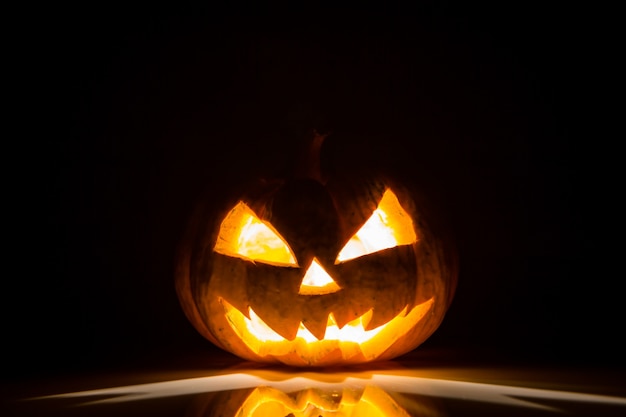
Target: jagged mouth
[(352, 339)]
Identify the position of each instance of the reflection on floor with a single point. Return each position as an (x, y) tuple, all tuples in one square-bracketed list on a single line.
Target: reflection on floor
[(282, 392)]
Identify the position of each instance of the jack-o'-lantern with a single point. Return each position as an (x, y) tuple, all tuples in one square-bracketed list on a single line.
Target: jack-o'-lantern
[(308, 272), (370, 401)]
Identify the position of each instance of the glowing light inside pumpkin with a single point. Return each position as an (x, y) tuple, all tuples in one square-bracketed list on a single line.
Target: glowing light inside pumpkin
[(353, 331), (316, 281), (351, 340), (372, 402), (389, 226), (242, 234)]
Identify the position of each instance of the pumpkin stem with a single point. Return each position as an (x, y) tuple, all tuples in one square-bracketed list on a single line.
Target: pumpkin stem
[(310, 159)]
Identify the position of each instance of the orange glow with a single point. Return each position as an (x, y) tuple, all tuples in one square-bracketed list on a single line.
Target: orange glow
[(316, 281), (242, 234), (351, 340), (371, 401), (245, 235), (389, 226)]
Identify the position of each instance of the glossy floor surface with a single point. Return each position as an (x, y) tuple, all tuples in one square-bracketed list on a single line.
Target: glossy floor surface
[(409, 386)]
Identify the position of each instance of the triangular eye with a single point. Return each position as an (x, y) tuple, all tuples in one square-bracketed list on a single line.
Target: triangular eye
[(242, 234), (389, 226)]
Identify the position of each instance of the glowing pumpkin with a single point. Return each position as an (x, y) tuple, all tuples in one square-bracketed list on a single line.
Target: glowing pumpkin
[(370, 401), (313, 273)]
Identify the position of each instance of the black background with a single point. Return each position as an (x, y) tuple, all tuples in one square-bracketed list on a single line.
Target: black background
[(126, 116)]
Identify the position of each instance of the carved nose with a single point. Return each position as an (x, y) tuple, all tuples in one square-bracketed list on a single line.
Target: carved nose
[(316, 281)]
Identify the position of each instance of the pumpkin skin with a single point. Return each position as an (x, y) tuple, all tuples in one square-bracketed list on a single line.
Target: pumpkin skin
[(228, 294)]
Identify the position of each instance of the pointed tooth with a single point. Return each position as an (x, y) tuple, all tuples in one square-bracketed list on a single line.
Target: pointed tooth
[(380, 317), (344, 316), (316, 326), (286, 326), (352, 311)]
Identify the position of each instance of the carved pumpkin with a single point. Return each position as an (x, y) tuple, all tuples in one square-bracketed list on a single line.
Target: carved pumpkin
[(313, 273), (263, 401)]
